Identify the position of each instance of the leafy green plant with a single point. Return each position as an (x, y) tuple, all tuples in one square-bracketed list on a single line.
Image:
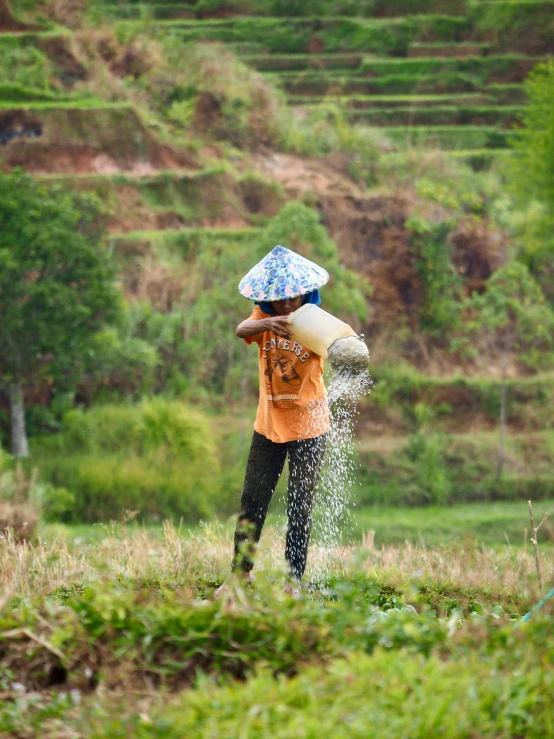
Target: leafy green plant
[(26, 67), (57, 287), (526, 27), (511, 316), (441, 283), (217, 94), (157, 458), (425, 450), (119, 361), (57, 503)]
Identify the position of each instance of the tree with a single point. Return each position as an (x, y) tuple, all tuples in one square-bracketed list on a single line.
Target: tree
[(511, 318), (56, 288)]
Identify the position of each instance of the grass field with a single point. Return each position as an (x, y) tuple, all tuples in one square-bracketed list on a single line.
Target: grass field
[(492, 524), (112, 631)]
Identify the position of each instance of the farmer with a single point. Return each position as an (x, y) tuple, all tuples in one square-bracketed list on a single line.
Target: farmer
[(292, 418)]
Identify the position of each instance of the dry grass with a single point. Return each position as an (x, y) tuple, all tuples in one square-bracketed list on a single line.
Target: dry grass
[(17, 521), (180, 558), (509, 569), (67, 12), (18, 515)]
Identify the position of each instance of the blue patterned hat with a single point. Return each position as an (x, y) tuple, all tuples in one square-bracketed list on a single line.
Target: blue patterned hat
[(282, 274)]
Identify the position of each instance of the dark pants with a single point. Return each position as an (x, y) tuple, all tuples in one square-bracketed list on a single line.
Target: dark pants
[(265, 464)]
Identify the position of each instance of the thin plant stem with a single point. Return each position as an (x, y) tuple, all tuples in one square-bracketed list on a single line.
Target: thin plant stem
[(534, 531)]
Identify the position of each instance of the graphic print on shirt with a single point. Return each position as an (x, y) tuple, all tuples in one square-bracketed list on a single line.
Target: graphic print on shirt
[(284, 358), (284, 365)]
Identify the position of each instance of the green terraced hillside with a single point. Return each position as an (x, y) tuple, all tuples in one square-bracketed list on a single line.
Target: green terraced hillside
[(445, 73)]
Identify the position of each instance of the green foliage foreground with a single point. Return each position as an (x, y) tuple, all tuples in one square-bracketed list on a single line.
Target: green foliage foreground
[(376, 665), (400, 695), (121, 637)]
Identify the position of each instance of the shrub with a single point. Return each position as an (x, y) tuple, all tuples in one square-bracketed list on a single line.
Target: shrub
[(57, 503), (157, 458), (438, 313), (531, 177), (120, 361), (214, 92), (432, 478), (25, 67)]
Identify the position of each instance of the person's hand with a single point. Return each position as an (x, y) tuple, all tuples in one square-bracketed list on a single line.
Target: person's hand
[(280, 326)]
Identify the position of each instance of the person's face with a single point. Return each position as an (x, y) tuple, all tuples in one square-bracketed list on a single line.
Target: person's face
[(287, 306)]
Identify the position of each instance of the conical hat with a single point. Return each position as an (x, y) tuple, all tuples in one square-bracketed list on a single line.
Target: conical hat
[(282, 274)]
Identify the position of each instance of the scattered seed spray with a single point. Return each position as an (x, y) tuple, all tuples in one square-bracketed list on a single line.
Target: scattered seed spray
[(331, 518)]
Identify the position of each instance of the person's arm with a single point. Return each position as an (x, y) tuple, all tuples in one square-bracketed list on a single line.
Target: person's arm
[(279, 325)]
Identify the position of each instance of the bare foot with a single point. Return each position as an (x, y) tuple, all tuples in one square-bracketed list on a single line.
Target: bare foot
[(291, 589)]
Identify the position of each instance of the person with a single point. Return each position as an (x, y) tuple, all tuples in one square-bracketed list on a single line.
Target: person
[(292, 419)]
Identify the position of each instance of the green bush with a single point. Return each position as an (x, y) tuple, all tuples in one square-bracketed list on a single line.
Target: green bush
[(440, 304), (215, 92), (531, 178), (425, 450), (120, 362), (57, 504), (326, 130), (25, 67), (157, 458)]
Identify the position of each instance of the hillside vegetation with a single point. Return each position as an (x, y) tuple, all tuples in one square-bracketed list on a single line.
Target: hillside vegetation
[(371, 138), (406, 147)]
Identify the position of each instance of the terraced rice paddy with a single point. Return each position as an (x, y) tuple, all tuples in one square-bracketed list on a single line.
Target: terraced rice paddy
[(445, 75)]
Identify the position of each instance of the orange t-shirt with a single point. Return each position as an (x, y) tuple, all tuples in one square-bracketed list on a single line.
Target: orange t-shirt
[(293, 399)]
